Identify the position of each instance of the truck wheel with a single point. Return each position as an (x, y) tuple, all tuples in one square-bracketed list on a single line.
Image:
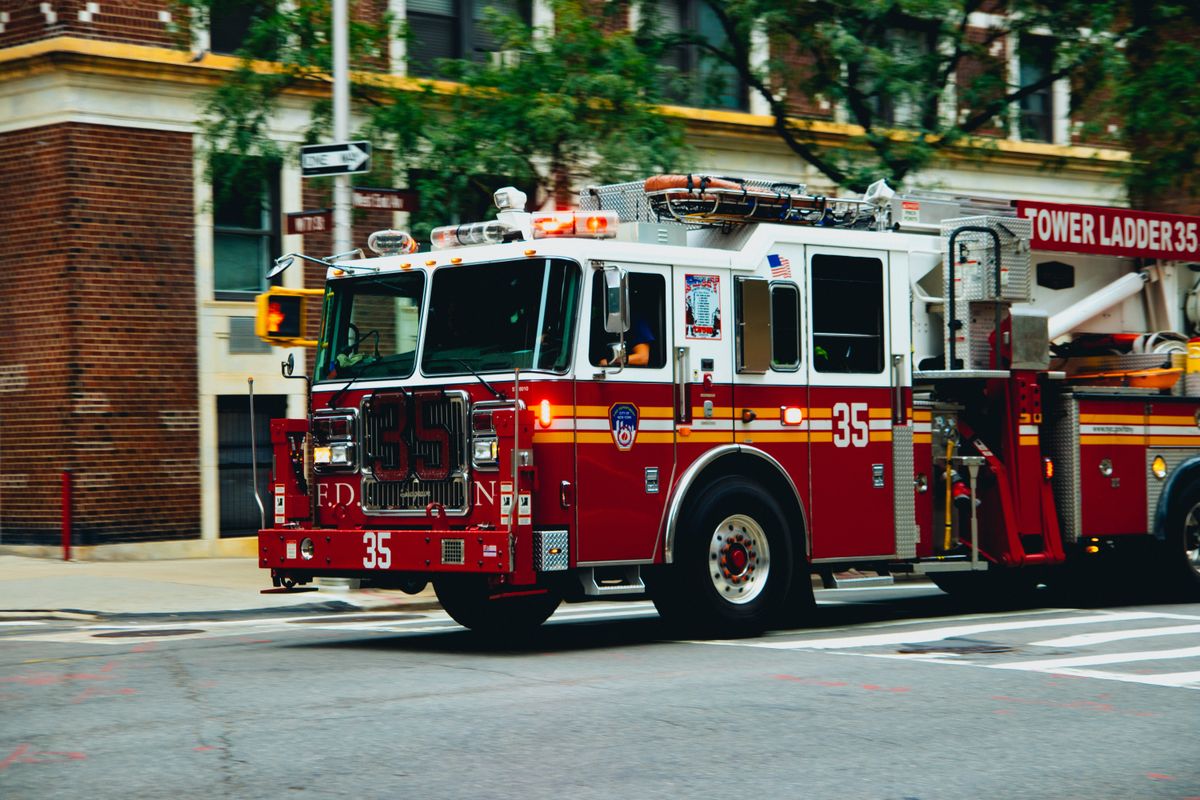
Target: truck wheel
[(470, 602), (1177, 557), (733, 563)]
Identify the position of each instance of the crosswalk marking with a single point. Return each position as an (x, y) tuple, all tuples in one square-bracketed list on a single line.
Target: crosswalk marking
[(1054, 664), (937, 634), (1087, 639)]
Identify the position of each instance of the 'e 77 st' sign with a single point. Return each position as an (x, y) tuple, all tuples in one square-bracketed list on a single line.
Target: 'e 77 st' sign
[(1112, 231)]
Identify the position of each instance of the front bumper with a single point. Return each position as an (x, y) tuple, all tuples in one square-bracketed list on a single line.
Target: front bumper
[(359, 553)]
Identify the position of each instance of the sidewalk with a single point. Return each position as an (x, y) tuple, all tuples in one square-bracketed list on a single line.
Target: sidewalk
[(43, 586)]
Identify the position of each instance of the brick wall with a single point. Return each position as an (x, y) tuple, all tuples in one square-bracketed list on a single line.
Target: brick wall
[(99, 355), (135, 21)]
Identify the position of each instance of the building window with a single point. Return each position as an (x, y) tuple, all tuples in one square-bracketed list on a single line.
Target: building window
[(245, 225), (700, 80), (1036, 58), (240, 515), (230, 22), (454, 29), (847, 314)]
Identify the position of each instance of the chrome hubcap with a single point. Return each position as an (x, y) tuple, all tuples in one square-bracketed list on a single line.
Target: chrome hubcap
[(739, 559)]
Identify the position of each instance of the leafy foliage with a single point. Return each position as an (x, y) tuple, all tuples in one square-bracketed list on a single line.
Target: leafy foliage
[(547, 111), (911, 74)]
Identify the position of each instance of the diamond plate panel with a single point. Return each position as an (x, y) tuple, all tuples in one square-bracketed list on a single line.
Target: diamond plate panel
[(1063, 437), (1174, 456), (550, 551), (904, 493)]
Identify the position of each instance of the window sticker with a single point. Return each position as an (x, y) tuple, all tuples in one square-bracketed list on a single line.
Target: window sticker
[(702, 297)]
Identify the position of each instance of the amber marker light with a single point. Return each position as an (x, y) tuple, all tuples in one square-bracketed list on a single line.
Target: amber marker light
[(531, 252), (431, 262), (1048, 468), (456, 260), (1159, 467)]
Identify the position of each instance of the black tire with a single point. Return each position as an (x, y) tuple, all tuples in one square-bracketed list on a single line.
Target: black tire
[(470, 602), (733, 563), (1176, 559)]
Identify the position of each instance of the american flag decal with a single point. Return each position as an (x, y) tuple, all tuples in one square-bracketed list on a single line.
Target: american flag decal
[(780, 266)]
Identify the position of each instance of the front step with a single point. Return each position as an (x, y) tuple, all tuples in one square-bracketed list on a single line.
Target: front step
[(612, 581)]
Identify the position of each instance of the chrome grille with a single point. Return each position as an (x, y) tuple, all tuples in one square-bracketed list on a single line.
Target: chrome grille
[(413, 495)]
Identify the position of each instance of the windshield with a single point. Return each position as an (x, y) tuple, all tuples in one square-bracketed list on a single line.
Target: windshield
[(501, 316), (371, 327)]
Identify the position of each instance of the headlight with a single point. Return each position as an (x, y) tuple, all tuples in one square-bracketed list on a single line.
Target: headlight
[(334, 455), (485, 452), (306, 548)]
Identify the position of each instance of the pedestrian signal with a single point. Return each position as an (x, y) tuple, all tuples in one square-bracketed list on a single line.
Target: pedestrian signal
[(281, 317)]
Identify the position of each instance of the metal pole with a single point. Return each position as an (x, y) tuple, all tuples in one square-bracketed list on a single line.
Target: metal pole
[(66, 514), (341, 125), (262, 511)]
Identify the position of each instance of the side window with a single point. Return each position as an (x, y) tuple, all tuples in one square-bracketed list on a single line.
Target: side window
[(645, 341), (847, 314), (245, 225), (785, 327)]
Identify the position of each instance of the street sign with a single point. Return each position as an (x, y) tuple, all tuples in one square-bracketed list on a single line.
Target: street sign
[(344, 158), (310, 221), (385, 199)]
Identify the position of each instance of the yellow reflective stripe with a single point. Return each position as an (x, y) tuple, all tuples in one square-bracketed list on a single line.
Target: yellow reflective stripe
[(556, 437), (1132, 440), (1113, 419), (1156, 420), (646, 412), (717, 413), (1024, 440), (796, 437), (922, 438), (881, 436), (705, 436), (588, 437), (878, 413), (1192, 441), (820, 413)]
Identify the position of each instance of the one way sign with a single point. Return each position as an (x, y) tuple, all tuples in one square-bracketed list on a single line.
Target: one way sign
[(345, 158)]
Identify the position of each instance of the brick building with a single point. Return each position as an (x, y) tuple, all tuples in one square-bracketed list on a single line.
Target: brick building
[(128, 276)]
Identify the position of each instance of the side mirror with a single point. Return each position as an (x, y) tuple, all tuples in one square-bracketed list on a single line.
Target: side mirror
[(289, 366), (281, 263), (616, 300)]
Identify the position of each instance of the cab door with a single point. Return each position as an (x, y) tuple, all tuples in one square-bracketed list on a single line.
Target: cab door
[(625, 439), (851, 403)]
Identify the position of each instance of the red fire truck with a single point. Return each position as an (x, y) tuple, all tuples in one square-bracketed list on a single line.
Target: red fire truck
[(708, 389)]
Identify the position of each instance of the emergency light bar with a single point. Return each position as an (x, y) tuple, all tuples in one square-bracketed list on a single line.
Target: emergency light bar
[(491, 232), (586, 224)]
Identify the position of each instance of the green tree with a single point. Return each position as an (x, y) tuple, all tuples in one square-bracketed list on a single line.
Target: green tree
[(897, 68), (1154, 85), (549, 110)]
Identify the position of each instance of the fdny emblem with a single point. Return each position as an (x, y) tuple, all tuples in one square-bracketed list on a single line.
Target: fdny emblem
[(623, 422)]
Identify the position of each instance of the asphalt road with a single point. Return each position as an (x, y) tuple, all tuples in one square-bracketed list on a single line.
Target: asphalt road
[(899, 693)]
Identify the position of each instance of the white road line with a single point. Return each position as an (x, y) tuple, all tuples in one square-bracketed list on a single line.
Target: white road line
[(937, 634), (1056, 664), (1181, 680), (21, 622), (1085, 639)]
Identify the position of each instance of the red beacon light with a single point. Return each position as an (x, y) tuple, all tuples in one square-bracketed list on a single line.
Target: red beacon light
[(586, 224)]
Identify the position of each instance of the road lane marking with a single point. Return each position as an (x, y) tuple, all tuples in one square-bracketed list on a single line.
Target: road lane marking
[(1055, 664)]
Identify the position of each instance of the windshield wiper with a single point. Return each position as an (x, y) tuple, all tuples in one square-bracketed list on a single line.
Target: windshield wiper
[(492, 389), (338, 394)]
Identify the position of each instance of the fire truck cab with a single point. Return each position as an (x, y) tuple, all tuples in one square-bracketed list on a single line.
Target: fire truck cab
[(708, 390)]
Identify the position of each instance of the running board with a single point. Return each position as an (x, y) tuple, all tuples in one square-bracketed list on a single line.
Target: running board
[(944, 564), (621, 580)]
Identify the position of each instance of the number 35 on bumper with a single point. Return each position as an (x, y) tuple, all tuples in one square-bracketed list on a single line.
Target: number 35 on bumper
[(379, 552)]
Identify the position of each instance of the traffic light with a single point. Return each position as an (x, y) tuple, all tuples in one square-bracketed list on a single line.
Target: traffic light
[(282, 318)]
